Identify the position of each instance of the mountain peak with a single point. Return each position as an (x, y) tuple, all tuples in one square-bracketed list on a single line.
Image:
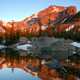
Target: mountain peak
[(58, 17)]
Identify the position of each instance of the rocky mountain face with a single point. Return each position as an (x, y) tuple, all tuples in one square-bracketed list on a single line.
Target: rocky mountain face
[(57, 21)]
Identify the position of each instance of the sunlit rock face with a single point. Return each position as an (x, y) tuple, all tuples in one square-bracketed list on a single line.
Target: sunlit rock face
[(35, 24), (52, 12)]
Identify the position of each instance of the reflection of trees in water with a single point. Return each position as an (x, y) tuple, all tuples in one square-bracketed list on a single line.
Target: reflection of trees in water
[(12, 55), (9, 54)]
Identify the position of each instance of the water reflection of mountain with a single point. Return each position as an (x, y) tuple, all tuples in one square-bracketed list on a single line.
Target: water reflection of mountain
[(12, 58)]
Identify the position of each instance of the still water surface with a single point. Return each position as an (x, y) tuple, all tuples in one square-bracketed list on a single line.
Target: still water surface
[(12, 66), (17, 74)]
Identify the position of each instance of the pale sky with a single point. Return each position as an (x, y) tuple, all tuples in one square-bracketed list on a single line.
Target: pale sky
[(19, 9)]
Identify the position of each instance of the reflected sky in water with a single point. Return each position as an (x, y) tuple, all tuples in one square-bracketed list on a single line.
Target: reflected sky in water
[(7, 72), (17, 74)]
